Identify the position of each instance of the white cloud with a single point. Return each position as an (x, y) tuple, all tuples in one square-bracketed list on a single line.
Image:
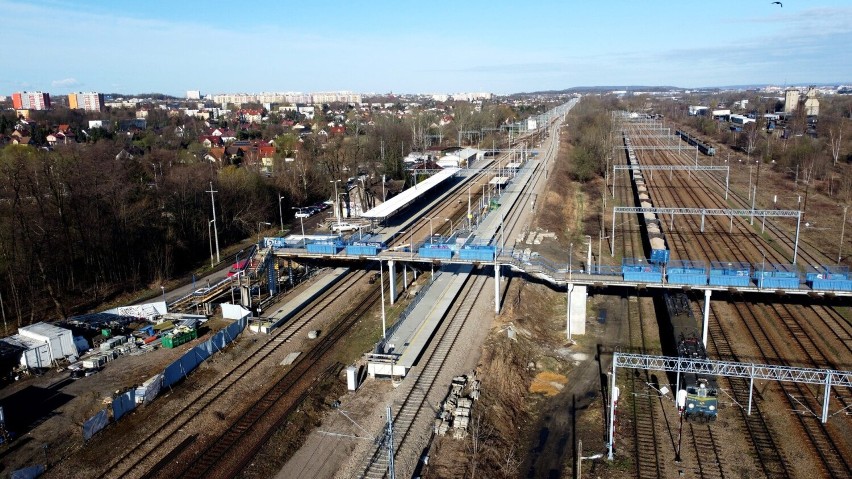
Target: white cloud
[(64, 83)]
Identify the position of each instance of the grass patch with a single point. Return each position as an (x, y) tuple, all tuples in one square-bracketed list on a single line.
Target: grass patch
[(548, 383)]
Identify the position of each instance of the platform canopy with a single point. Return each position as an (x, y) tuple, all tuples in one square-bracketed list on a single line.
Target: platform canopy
[(400, 201)]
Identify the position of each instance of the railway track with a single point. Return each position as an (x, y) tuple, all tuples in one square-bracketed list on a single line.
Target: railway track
[(706, 448), (762, 439), (648, 460), (819, 436), (164, 437), (414, 413), (228, 454), (413, 408)]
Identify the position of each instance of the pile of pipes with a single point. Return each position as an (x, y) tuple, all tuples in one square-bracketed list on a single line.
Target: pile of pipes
[(455, 411)]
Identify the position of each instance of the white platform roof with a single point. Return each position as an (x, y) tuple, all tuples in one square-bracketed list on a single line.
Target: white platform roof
[(43, 331), (400, 201)]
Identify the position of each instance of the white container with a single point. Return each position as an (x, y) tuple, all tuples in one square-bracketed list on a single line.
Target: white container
[(352, 378)]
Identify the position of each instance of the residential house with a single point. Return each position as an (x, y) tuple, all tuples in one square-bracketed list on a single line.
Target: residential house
[(250, 116), (215, 155), (209, 141)]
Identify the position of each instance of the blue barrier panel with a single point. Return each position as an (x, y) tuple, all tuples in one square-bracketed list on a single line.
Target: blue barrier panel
[(775, 270), (637, 269), (687, 272), (275, 242), (220, 340), (690, 279), (189, 361), (730, 273), (830, 272), (324, 248), (94, 424), (478, 253), (435, 251), (201, 352), (172, 374), (687, 266), (832, 284), (123, 404), (30, 472), (778, 283), (362, 250)]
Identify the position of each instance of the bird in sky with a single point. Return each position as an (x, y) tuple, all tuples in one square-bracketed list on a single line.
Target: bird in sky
[(778, 3)]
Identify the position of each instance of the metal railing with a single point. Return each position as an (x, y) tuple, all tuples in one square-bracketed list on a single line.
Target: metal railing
[(380, 347)]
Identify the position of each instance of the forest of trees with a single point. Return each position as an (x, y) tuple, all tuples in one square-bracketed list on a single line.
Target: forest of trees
[(80, 226)]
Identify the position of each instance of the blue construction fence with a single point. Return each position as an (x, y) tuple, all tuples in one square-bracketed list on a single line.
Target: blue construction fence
[(687, 272), (729, 273), (95, 424), (831, 278), (776, 275), (173, 373), (30, 472), (181, 368), (362, 244), (697, 273), (639, 269)]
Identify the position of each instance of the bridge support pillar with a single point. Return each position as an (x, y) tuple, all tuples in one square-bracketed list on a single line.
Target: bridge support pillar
[(496, 288), (392, 288), (575, 312), (706, 323), (404, 276)]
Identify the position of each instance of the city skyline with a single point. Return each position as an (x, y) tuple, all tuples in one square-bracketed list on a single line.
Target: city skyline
[(388, 47)]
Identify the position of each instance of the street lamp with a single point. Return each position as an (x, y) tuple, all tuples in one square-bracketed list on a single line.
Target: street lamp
[(281, 213), (451, 225), (431, 231), (215, 231), (301, 222), (589, 256), (382, 287), (842, 230), (259, 224), (163, 289), (336, 204), (570, 258), (210, 235)]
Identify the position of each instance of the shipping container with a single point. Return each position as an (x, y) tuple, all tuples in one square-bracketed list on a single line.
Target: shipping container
[(778, 283), (362, 250), (637, 269), (832, 284), (435, 251), (324, 248), (730, 273), (478, 253)]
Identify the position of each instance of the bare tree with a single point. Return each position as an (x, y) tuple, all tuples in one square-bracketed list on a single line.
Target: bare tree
[(835, 140)]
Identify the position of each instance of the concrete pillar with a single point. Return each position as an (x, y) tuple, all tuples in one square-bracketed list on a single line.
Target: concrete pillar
[(707, 294), (578, 297), (570, 288), (392, 281), (404, 276), (496, 288)]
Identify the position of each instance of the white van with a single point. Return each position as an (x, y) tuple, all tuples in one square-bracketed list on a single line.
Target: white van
[(343, 227)]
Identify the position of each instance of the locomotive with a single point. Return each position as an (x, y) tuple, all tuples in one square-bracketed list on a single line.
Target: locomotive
[(705, 149), (701, 402)]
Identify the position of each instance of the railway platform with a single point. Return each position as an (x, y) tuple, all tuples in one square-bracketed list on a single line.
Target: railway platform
[(289, 309), (407, 339)]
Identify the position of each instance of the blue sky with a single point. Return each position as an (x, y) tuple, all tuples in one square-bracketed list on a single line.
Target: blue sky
[(61, 46)]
